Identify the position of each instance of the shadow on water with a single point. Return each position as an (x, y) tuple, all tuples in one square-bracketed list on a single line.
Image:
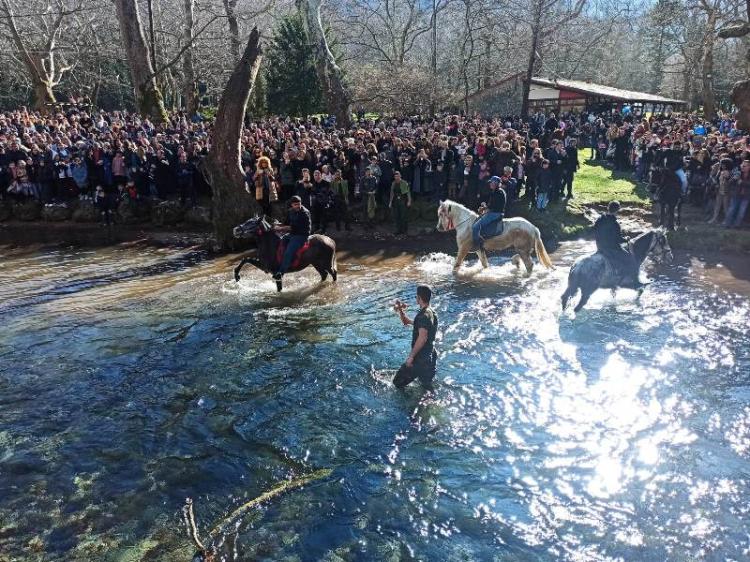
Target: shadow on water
[(67, 288)]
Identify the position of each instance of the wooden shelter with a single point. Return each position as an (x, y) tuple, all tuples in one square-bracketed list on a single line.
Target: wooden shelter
[(504, 97)]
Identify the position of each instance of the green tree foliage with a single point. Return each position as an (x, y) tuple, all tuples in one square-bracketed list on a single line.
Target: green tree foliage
[(292, 86)]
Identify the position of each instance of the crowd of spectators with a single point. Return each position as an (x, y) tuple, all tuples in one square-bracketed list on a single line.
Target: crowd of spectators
[(111, 157)]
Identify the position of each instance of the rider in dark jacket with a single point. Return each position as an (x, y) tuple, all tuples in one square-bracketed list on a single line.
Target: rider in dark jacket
[(609, 241), (297, 226)]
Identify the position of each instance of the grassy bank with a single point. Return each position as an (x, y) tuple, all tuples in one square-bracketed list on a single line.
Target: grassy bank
[(593, 188), (596, 185)]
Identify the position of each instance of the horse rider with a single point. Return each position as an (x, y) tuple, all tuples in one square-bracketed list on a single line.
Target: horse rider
[(673, 160), (491, 211), (422, 361), (609, 241), (296, 227)]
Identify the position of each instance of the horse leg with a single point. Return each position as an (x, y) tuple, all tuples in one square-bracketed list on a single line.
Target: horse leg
[(679, 212), (586, 293), (483, 258), (322, 272), (460, 257), (516, 260), (237, 269), (278, 285), (527, 261), (570, 291)]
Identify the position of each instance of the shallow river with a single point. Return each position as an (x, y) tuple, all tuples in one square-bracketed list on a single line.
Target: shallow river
[(133, 377)]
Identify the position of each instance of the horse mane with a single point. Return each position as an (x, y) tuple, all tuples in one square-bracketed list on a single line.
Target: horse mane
[(452, 203), (640, 252)]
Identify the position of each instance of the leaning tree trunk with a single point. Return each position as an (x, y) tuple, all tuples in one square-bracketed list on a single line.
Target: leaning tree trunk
[(335, 91), (231, 203), (189, 86), (147, 94)]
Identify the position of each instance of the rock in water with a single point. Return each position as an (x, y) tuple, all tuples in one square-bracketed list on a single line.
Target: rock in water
[(6, 210), (167, 213), (56, 212), (200, 216), (29, 210), (86, 212), (127, 212)]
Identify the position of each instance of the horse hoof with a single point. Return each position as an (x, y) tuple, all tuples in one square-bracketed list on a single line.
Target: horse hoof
[(278, 286), (236, 277)]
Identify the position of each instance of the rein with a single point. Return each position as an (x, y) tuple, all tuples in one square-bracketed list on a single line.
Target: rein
[(452, 226)]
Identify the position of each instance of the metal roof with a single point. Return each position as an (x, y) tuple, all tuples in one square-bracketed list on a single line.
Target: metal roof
[(604, 91)]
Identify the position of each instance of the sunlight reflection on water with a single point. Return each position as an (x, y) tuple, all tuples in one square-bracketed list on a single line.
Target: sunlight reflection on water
[(620, 433)]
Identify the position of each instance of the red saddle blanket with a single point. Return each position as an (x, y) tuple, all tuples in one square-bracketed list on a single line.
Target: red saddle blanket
[(297, 256)]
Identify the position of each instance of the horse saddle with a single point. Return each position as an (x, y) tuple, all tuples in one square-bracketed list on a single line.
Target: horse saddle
[(297, 255), (491, 230)]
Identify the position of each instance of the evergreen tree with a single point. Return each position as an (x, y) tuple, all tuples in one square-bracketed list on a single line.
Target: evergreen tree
[(292, 86)]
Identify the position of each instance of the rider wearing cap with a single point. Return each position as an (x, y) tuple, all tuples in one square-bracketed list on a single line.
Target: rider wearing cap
[(609, 241), (492, 211), (297, 227)]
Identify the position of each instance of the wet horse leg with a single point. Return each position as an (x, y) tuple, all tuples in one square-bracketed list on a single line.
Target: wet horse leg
[(322, 272), (527, 261), (571, 290), (460, 257), (240, 266), (586, 293), (483, 258)]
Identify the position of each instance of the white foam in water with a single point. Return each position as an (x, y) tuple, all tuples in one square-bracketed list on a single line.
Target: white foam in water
[(439, 264)]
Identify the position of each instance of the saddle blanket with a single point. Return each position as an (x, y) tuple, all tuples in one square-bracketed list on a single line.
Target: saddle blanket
[(491, 230), (297, 256)]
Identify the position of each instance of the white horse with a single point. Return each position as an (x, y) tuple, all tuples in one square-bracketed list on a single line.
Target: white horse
[(517, 232)]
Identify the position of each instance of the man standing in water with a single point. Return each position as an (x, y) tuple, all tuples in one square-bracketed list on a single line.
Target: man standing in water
[(422, 360)]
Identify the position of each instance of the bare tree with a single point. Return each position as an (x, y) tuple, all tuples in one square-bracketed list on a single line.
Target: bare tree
[(147, 94), (544, 18), (230, 7), (189, 84), (741, 89), (335, 90), (37, 47)]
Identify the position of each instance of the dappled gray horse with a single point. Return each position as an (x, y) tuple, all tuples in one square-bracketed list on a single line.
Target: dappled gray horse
[(593, 272)]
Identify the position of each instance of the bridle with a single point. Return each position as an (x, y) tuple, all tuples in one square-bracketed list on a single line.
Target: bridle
[(451, 226)]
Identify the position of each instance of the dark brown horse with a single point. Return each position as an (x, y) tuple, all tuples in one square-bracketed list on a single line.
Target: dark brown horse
[(319, 251), (669, 196)]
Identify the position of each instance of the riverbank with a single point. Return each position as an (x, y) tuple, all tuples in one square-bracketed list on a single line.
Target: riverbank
[(569, 219)]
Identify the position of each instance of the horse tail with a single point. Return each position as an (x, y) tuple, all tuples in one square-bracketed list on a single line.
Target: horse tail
[(541, 252)]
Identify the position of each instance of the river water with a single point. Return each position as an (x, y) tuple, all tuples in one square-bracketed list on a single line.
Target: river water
[(134, 377)]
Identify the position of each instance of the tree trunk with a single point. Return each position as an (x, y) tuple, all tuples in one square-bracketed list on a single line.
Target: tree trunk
[(707, 70), (234, 27), (43, 94), (147, 93), (337, 96), (535, 30), (189, 86), (231, 203)]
